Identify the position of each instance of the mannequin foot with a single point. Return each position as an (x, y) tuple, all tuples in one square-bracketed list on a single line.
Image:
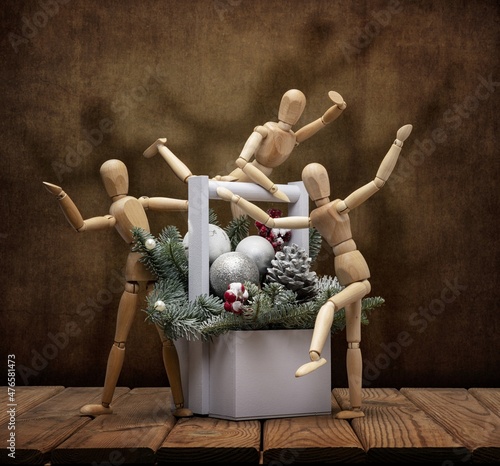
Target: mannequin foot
[(95, 410), (183, 412), (309, 367), (350, 414)]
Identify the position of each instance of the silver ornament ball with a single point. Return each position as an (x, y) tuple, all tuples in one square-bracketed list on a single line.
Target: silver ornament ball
[(218, 242), (259, 249), (232, 267)]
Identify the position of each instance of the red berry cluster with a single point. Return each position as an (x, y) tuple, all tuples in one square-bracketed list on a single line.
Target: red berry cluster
[(276, 236), (235, 297)]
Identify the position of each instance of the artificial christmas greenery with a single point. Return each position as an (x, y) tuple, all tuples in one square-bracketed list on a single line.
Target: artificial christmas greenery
[(290, 295)]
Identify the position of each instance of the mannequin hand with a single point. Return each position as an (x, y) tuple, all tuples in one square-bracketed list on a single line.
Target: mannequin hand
[(403, 134), (53, 189), (227, 195), (337, 99)]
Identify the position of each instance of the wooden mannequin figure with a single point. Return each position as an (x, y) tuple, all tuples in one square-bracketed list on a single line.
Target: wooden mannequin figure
[(269, 145), (125, 213), (331, 219)]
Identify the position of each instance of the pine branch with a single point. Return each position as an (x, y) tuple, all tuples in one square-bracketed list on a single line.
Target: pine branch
[(223, 323), (291, 315), (315, 241), (368, 305), (209, 306), (212, 217), (178, 320), (149, 257), (176, 260), (237, 230), (167, 258)]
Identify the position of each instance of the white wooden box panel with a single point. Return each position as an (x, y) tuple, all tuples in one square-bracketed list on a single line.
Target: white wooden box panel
[(252, 376)]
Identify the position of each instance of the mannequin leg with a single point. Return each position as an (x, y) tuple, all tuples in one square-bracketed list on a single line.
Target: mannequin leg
[(322, 326), (324, 320), (125, 318), (354, 361), (172, 367)]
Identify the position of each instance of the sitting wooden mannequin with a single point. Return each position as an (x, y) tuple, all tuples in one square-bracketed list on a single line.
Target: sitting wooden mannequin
[(125, 213), (269, 145), (331, 219)]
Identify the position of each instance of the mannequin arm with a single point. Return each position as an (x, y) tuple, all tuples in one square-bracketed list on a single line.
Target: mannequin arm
[(252, 145), (163, 204), (73, 215), (386, 167), (331, 114), (260, 215)]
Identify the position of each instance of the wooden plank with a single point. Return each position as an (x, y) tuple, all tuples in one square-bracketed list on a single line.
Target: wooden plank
[(141, 420), (25, 398), (311, 439), (202, 439), (490, 397), (48, 424), (395, 430), (461, 414)]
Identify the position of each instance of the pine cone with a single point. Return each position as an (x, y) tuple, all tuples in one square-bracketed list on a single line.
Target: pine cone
[(290, 268)]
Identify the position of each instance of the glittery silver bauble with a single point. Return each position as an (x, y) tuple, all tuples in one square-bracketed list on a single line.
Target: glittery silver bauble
[(218, 242), (150, 244), (259, 249), (232, 267)]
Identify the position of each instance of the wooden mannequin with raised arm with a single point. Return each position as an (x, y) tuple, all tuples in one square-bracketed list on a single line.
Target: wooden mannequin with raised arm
[(125, 213), (268, 147), (331, 219)]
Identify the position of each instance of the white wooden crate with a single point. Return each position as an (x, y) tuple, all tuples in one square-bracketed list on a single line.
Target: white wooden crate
[(195, 355)]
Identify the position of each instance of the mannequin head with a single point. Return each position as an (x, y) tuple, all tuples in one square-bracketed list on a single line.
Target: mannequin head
[(291, 107), (317, 183), (114, 175)]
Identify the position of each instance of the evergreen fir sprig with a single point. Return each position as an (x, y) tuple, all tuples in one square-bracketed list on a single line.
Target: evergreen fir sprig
[(278, 294), (290, 315), (167, 258), (179, 320), (223, 323), (174, 252), (315, 242), (237, 229), (152, 259), (212, 217), (326, 287), (209, 306), (368, 305), (169, 307)]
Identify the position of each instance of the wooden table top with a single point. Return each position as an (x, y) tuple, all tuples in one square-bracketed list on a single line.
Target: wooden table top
[(409, 425)]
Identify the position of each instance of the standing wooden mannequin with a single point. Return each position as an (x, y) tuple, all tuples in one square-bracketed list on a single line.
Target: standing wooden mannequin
[(125, 213), (269, 145), (331, 219)]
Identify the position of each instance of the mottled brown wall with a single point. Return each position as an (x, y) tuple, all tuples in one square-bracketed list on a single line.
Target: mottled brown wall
[(203, 74)]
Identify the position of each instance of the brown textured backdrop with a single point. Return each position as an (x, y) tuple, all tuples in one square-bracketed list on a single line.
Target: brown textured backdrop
[(85, 81)]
